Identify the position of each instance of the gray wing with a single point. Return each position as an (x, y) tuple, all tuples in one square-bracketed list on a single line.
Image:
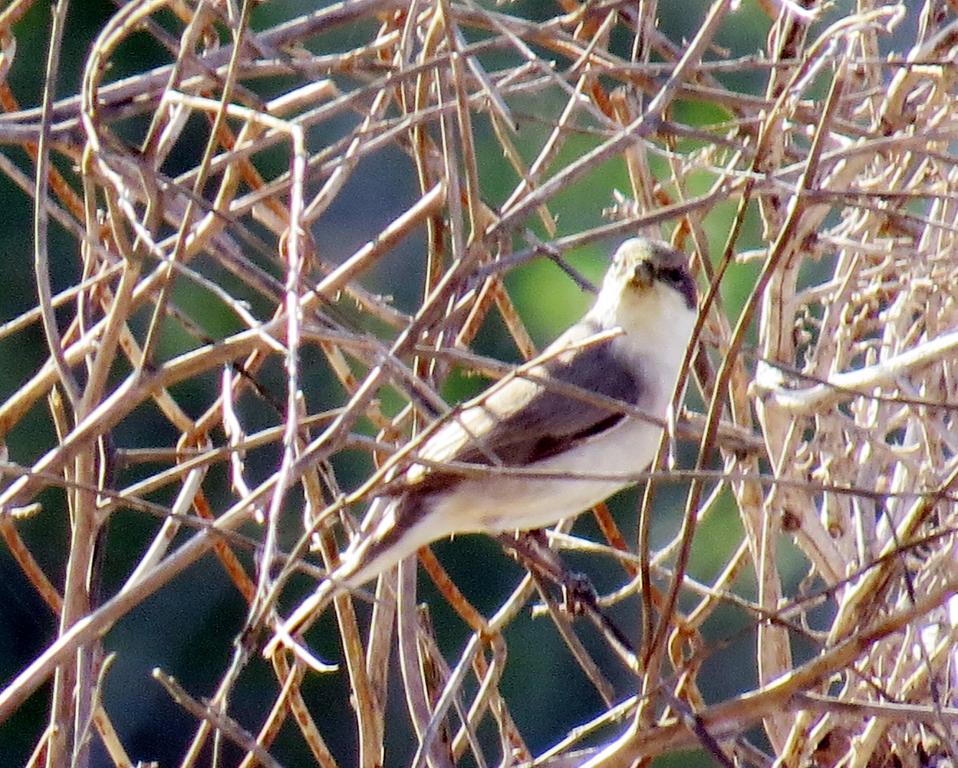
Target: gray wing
[(552, 421)]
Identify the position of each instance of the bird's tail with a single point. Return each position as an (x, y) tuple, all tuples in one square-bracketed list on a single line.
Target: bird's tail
[(304, 615), (390, 533)]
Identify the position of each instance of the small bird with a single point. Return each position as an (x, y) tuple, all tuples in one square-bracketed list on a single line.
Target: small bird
[(573, 451)]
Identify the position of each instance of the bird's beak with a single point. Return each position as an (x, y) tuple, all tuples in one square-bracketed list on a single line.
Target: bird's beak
[(642, 275)]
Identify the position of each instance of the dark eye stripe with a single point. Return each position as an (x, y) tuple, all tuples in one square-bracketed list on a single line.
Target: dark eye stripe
[(682, 281), (673, 275)]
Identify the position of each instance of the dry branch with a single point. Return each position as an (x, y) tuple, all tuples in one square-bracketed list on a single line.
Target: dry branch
[(205, 198)]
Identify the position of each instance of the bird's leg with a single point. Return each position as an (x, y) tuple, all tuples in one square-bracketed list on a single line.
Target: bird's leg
[(532, 549), (579, 595)]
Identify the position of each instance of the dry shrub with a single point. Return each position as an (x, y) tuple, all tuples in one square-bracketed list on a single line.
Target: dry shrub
[(201, 197)]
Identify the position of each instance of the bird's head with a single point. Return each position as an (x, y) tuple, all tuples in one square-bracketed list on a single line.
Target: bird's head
[(648, 286)]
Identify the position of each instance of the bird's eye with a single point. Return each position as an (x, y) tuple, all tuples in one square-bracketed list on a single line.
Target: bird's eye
[(672, 275)]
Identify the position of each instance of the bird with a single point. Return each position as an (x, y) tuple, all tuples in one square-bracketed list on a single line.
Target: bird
[(555, 439)]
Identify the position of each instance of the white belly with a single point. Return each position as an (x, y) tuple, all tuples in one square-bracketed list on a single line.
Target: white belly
[(512, 502)]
